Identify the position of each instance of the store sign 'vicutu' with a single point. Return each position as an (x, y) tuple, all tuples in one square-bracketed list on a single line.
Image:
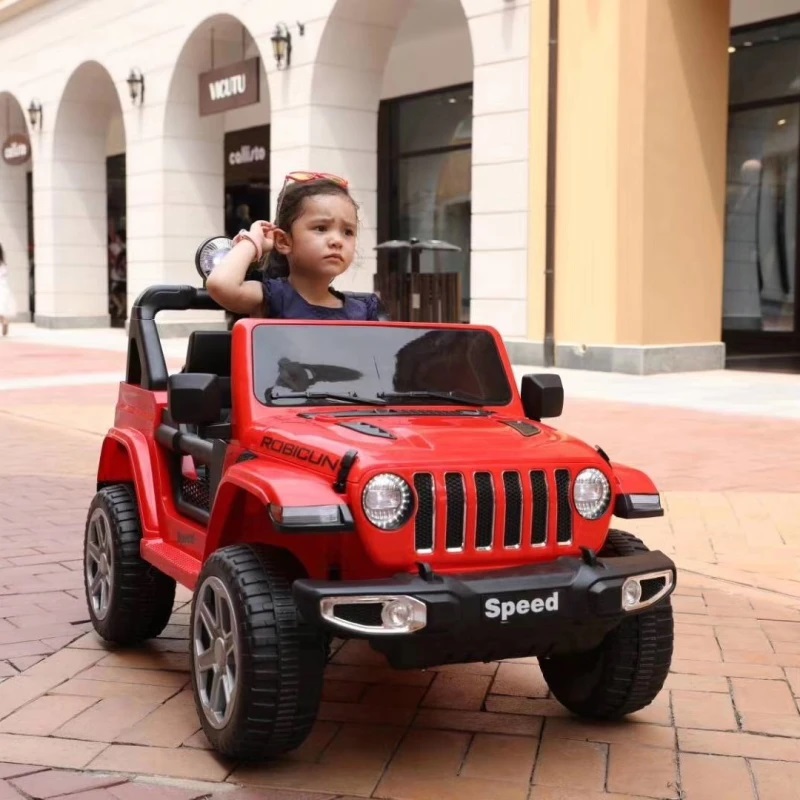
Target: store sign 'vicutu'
[(17, 149), (229, 87)]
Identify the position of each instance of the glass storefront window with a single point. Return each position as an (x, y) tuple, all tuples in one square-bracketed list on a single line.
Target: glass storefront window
[(765, 63), (435, 203), (432, 121), (426, 186), (761, 219), (761, 259)]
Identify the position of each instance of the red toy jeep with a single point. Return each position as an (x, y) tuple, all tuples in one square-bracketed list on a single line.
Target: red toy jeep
[(383, 481)]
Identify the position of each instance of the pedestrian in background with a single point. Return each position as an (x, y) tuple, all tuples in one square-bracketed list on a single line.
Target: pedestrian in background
[(7, 305)]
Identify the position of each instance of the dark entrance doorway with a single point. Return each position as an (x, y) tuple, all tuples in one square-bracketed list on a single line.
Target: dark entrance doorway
[(117, 241), (30, 240), (246, 178)]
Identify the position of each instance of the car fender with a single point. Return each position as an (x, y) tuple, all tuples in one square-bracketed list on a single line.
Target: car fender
[(266, 484), (636, 496), (125, 458), (628, 480)]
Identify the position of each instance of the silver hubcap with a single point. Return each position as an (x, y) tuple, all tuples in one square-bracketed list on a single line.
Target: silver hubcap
[(216, 651), (99, 563)]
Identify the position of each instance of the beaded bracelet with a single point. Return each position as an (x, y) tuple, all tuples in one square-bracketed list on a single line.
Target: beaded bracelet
[(241, 236)]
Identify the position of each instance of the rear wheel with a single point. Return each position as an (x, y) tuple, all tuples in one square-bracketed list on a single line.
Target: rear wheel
[(628, 669), (257, 668), (128, 599)]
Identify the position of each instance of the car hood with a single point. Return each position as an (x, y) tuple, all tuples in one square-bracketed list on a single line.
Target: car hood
[(438, 441)]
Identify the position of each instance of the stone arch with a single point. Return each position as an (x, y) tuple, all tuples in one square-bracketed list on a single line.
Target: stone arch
[(345, 96), (15, 225), (363, 49), (193, 156), (88, 124)]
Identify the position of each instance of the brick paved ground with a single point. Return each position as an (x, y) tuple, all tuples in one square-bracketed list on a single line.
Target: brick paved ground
[(82, 720)]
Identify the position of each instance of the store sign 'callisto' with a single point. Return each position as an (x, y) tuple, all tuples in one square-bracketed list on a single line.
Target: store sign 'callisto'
[(228, 87), (17, 149), (247, 155)]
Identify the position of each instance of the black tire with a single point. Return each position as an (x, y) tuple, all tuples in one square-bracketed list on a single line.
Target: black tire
[(626, 672), (139, 596), (279, 663)]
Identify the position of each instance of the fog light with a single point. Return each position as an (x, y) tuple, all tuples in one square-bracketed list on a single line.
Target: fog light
[(631, 594), (397, 614)]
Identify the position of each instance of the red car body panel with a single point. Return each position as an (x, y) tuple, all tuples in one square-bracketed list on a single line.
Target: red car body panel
[(294, 461)]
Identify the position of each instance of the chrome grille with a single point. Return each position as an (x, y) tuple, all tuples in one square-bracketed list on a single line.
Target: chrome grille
[(539, 516), (487, 511), (455, 533), (425, 521), (484, 527), (512, 532), (564, 518)]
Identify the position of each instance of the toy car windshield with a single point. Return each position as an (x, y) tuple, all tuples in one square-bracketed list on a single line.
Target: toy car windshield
[(392, 364)]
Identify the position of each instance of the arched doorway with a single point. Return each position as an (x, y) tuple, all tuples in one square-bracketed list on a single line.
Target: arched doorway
[(89, 234), (16, 203), (408, 111), (217, 135)]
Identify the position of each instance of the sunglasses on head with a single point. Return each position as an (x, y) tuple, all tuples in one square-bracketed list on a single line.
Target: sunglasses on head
[(307, 177)]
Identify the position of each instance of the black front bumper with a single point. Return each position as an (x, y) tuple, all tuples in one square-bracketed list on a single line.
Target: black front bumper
[(562, 606)]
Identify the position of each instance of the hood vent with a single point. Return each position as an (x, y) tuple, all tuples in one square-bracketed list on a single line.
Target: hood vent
[(521, 426), (367, 429)]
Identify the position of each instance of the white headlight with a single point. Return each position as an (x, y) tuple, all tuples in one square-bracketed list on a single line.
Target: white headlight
[(210, 253), (387, 501), (591, 493)]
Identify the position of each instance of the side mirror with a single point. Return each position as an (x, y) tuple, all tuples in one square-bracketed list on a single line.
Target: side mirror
[(542, 395), (194, 398)]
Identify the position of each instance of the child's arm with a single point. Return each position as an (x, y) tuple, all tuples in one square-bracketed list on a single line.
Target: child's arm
[(227, 285)]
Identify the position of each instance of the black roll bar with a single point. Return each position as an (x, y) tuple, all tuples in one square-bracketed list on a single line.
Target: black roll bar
[(146, 364)]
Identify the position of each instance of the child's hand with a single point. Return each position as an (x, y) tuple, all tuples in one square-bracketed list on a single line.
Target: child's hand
[(264, 233)]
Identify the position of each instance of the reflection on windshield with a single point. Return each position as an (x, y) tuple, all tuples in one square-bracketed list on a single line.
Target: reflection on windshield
[(298, 377), (370, 361)]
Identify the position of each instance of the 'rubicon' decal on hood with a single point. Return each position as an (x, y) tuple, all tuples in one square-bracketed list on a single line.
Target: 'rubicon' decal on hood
[(305, 454)]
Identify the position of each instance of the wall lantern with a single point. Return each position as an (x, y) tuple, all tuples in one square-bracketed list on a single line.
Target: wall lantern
[(135, 82), (282, 43), (35, 114)]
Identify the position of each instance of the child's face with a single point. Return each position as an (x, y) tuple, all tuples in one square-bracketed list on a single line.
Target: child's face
[(323, 237)]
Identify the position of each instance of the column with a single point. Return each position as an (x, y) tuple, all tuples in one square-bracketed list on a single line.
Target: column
[(500, 33), (642, 111)]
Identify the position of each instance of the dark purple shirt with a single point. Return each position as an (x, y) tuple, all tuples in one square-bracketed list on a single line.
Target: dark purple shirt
[(281, 301)]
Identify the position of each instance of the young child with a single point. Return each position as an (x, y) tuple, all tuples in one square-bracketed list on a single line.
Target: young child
[(310, 244)]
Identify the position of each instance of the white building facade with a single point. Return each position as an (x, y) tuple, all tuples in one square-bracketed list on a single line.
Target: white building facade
[(351, 60)]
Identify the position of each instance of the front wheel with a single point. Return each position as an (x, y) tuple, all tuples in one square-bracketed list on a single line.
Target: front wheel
[(257, 668), (628, 669)]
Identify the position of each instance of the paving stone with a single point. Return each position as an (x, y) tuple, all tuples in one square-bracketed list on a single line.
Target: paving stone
[(459, 690), (648, 771), (763, 696), (554, 754), (705, 776), (46, 714), (776, 780), (179, 763), (55, 782), (703, 710), (8, 770)]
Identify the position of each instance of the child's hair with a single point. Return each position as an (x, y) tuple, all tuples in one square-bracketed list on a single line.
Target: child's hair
[(290, 206)]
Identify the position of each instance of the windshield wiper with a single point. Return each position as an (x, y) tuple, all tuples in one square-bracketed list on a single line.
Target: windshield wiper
[(461, 398), (341, 397)]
